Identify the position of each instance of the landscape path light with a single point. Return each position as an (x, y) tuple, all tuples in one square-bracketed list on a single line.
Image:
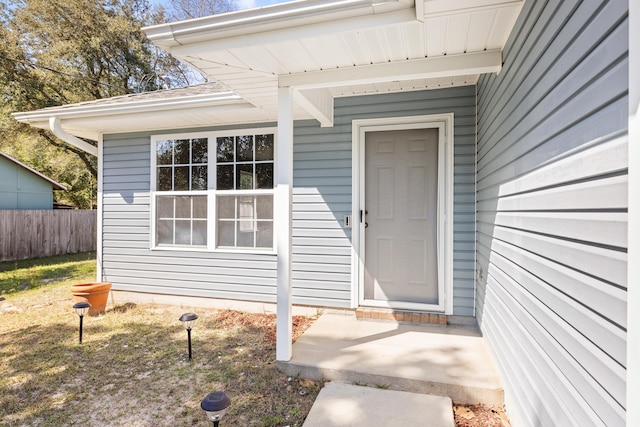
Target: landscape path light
[(215, 406), (81, 309), (189, 321)]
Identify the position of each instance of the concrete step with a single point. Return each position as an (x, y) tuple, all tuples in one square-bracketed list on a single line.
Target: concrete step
[(344, 405), (439, 360)]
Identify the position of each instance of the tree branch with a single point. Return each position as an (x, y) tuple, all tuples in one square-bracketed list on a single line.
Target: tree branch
[(82, 155)]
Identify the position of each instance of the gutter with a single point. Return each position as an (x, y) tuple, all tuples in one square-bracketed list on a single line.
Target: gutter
[(268, 18), (56, 127), (93, 109)]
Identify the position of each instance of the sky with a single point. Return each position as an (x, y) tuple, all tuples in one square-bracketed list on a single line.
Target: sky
[(250, 4)]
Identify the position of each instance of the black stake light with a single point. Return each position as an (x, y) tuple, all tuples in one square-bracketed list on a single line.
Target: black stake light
[(81, 309), (189, 321), (215, 406)]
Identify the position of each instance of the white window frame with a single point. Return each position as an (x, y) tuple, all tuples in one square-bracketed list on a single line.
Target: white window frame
[(211, 191)]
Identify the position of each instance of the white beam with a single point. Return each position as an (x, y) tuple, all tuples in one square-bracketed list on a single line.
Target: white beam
[(318, 103), (413, 69), (633, 269), (282, 217)]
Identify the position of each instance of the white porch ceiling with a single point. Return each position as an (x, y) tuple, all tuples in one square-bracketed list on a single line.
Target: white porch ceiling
[(339, 40)]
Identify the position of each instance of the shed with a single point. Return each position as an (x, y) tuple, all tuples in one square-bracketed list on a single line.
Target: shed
[(22, 187)]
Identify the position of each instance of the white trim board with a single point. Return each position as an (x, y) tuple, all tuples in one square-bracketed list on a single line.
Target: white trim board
[(633, 296), (444, 122)]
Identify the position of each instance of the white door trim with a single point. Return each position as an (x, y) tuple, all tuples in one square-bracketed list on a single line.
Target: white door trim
[(444, 123)]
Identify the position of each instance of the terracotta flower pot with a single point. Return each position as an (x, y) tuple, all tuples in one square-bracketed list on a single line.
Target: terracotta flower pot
[(96, 294)]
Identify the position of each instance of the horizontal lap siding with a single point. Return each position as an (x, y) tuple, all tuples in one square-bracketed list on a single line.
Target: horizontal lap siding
[(321, 197), (552, 213), (322, 193), (128, 261)]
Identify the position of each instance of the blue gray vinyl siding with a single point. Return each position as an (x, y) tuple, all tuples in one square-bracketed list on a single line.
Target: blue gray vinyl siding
[(322, 193), (321, 198), (552, 214), (129, 262)]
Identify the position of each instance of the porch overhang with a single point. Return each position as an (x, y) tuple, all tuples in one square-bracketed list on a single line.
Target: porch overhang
[(322, 49), (325, 49)]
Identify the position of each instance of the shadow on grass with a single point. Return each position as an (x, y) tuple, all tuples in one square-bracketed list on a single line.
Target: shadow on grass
[(47, 261), (21, 275), (51, 378), (24, 281)]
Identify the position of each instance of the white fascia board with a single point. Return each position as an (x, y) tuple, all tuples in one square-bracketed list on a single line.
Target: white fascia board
[(262, 38), (249, 22), (432, 67), (439, 8), (92, 127), (318, 103), (110, 109)]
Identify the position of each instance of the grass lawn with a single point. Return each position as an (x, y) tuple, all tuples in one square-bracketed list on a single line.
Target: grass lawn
[(32, 273), (132, 368)]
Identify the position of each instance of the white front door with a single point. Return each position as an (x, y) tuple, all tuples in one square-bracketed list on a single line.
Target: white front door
[(401, 195)]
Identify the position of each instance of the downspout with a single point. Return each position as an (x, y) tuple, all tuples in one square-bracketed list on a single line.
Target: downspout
[(419, 5), (56, 127)]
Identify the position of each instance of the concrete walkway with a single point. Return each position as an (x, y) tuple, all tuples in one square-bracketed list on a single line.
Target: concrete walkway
[(345, 405), (440, 360)]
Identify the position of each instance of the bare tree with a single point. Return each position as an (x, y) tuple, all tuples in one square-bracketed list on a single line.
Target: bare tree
[(189, 9)]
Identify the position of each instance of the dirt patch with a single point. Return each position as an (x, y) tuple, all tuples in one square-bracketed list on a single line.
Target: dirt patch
[(480, 416)]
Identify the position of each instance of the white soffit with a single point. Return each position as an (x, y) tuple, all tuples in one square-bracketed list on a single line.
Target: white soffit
[(252, 53), (460, 26)]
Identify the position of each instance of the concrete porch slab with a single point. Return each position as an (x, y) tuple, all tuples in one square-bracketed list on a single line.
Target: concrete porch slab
[(345, 405), (440, 360)]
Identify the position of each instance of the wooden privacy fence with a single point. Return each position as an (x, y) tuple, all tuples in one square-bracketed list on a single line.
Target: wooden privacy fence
[(33, 234)]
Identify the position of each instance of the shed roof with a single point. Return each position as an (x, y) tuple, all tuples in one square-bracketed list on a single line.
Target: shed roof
[(56, 185)]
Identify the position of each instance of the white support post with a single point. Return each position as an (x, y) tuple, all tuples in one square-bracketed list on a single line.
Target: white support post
[(99, 213), (282, 218), (633, 295)]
